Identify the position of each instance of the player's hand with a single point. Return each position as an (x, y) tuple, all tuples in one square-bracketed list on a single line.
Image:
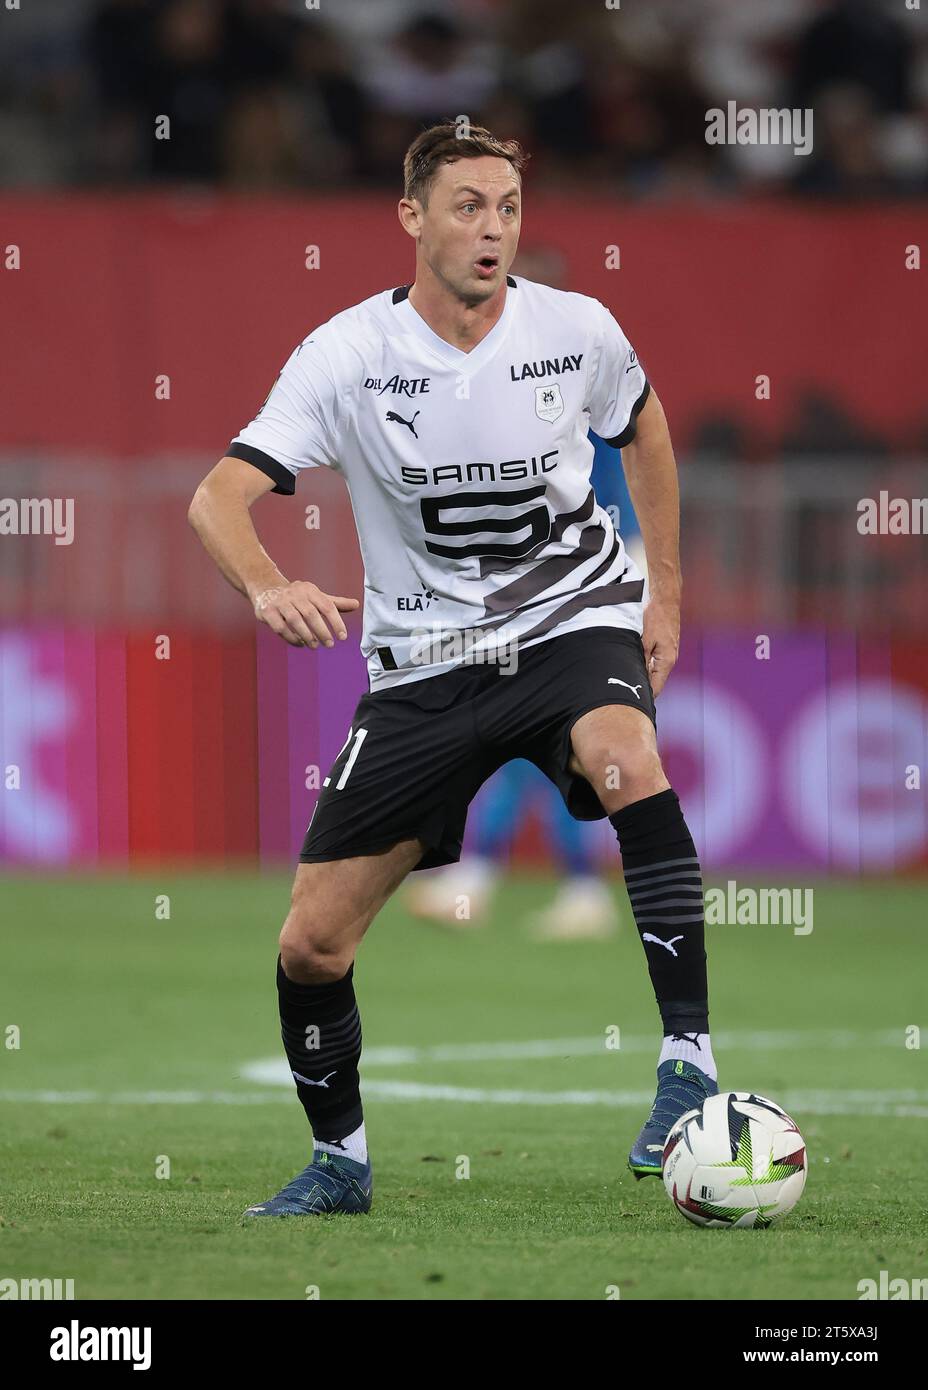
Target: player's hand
[(302, 614), (661, 640)]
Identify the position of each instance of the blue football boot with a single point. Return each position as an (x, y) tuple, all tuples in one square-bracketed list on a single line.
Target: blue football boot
[(681, 1086), (329, 1183)]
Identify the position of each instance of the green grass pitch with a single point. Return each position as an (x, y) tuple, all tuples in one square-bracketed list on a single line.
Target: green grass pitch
[(138, 1037)]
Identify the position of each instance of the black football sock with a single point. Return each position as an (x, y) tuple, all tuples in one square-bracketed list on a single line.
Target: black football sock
[(321, 1031), (664, 885)]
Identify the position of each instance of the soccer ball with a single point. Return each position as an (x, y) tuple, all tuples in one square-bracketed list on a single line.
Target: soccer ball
[(738, 1160)]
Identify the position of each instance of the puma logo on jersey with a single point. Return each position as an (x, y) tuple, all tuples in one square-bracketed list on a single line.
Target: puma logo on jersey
[(614, 680), (551, 366), (646, 936), (392, 415)]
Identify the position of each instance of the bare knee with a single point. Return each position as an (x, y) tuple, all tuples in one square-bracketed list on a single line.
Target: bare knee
[(332, 905), (623, 773), (643, 776), (312, 950)]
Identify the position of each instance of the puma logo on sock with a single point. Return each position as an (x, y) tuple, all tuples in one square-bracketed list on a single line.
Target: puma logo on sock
[(646, 936), (325, 1080)]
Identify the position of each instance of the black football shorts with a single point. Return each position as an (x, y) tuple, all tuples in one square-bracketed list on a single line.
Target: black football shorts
[(416, 754)]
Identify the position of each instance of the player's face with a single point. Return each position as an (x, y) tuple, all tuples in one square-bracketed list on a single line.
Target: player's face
[(469, 232)]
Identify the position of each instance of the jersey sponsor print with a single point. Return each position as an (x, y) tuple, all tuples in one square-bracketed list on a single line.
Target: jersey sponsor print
[(469, 472)]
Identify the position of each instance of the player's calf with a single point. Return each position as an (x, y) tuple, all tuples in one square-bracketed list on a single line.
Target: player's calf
[(332, 905), (664, 883)]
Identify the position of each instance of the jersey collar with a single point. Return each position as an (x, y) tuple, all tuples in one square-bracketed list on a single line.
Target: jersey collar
[(464, 362)]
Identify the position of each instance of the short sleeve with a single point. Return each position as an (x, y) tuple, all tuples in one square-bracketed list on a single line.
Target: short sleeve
[(296, 426), (618, 387)]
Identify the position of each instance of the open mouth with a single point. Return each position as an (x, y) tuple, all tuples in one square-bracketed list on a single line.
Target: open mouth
[(486, 265)]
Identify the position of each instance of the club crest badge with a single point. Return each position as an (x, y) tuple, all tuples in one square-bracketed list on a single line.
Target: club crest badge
[(549, 403)]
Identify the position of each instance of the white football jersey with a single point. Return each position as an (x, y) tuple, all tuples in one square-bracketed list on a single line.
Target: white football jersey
[(469, 472)]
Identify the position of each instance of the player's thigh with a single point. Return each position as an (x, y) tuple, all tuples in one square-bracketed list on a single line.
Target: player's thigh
[(408, 769), (615, 748), (333, 903)]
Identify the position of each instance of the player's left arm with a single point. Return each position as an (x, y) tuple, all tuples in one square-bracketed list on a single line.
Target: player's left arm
[(651, 474)]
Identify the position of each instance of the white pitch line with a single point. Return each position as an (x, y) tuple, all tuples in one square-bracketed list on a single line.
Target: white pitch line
[(903, 1104), (274, 1071), (145, 1097)]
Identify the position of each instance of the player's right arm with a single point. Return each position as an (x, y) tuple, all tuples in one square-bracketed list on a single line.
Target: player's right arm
[(293, 430), (220, 514)]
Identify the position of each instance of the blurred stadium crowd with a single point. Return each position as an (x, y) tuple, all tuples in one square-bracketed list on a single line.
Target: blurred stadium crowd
[(276, 94)]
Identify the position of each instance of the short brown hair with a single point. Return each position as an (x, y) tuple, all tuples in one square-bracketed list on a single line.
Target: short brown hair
[(445, 143)]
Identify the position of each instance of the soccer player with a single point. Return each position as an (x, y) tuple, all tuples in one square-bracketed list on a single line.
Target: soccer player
[(503, 617)]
